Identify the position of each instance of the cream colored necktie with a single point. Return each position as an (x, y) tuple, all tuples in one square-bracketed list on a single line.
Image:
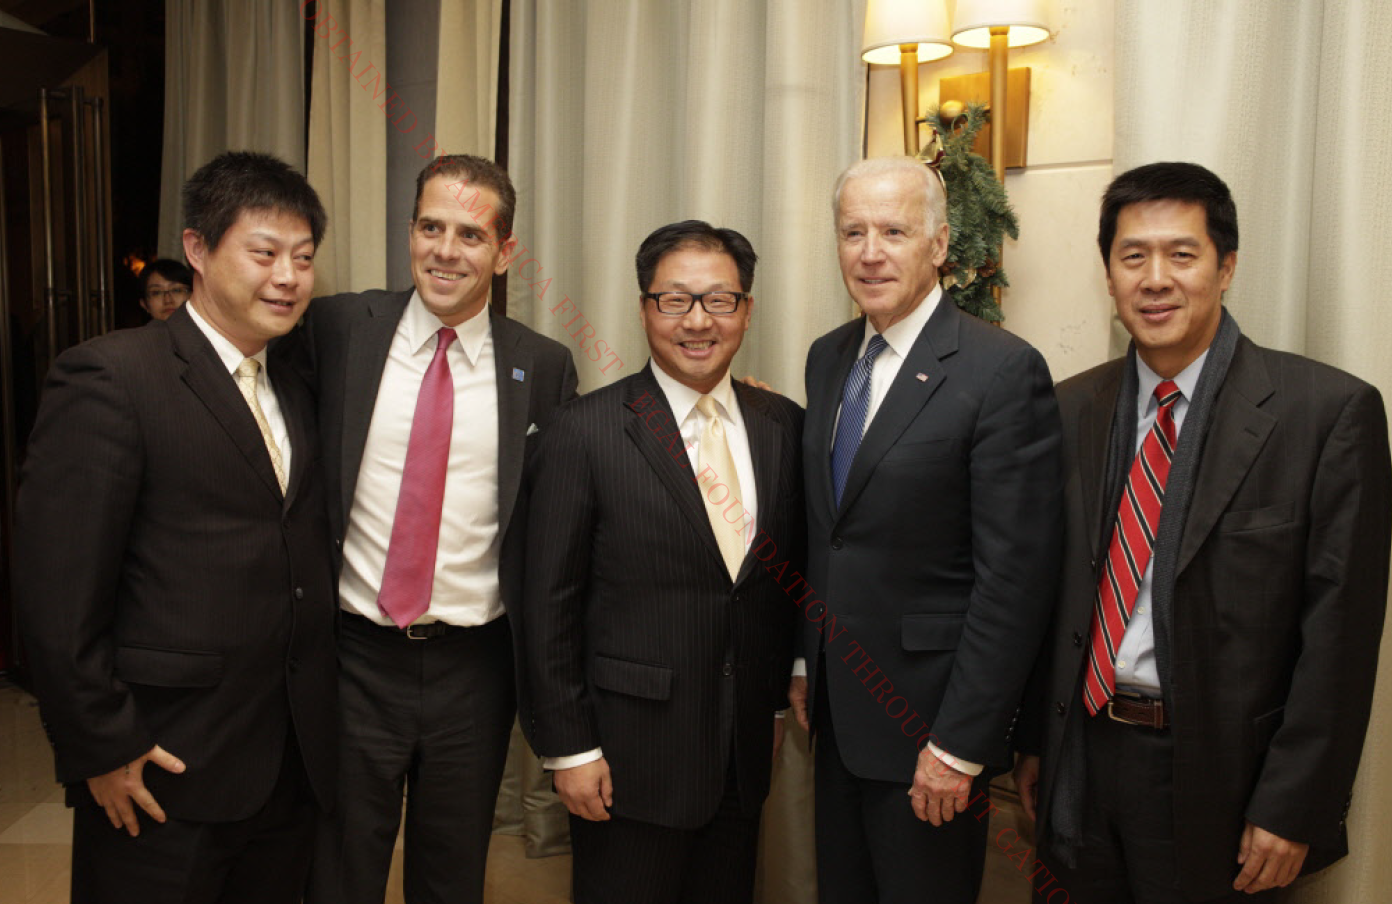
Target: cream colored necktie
[(246, 382), (725, 510)]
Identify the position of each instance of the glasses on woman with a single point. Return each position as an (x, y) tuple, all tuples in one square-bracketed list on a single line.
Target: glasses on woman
[(176, 293)]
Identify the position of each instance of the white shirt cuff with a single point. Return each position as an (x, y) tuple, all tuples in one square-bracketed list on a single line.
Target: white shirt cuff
[(557, 763), (951, 761), (800, 667)]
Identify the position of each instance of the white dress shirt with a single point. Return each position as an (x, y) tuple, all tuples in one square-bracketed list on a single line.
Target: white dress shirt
[(465, 591), (232, 358), (1135, 666), (682, 401)]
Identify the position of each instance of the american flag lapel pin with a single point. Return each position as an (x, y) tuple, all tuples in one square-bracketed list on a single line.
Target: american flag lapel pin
[(921, 377), (519, 374)]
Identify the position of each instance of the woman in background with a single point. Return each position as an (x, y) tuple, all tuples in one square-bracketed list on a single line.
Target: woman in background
[(164, 285)]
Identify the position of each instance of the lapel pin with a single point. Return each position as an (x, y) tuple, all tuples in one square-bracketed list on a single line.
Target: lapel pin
[(519, 374), (922, 378)]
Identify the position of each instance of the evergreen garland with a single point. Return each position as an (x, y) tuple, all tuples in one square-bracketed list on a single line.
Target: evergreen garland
[(978, 213)]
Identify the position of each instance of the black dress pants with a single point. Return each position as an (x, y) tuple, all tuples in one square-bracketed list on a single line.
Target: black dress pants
[(430, 719), (259, 860)]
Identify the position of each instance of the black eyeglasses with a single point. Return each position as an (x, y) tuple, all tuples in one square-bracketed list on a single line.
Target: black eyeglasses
[(677, 303)]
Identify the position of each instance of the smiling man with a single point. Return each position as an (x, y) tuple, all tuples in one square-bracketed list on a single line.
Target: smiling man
[(1206, 687), (932, 484), (657, 643), (431, 399), (173, 574)]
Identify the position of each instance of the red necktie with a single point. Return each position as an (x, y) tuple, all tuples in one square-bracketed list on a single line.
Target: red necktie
[(415, 536), (1129, 553)]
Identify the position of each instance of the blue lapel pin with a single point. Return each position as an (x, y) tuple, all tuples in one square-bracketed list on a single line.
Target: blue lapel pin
[(519, 374)]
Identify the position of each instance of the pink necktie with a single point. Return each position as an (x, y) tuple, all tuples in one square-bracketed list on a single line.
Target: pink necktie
[(415, 536)]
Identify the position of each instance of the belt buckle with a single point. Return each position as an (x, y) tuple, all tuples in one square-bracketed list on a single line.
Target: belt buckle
[(411, 635), (1114, 717)]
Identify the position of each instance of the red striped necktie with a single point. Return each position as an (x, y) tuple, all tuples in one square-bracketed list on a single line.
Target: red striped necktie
[(1133, 540)]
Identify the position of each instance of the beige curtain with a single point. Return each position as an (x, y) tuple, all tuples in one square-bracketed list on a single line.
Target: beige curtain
[(467, 104), (233, 80), (626, 116), (348, 142), (1289, 109)]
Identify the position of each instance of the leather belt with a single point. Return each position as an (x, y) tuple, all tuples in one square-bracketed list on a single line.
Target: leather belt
[(1137, 710), (426, 631)]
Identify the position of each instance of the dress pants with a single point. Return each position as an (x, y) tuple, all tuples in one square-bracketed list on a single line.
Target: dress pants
[(430, 718), (1127, 853), (872, 848), (259, 860), (624, 861)]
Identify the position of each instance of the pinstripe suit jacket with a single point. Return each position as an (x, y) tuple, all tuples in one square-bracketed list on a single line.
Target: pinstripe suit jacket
[(168, 592), (636, 638)]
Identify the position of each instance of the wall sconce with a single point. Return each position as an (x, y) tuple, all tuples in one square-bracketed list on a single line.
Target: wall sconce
[(907, 32), (994, 26)]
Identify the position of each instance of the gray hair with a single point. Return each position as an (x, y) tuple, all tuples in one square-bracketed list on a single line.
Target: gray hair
[(935, 196)]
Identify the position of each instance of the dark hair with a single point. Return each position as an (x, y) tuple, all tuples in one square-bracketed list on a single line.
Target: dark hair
[(172, 270), (237, 181), (695, 234), (483, 174), (1170, 182)]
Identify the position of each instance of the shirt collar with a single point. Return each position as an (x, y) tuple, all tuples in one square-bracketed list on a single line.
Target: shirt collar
[(229, 354), (1187, 380), (421, 326), (683, 398), (902, 334)]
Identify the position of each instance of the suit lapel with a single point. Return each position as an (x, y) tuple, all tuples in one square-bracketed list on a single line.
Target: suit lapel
[(513, 360), (1094, 440), (764, 442), (205, 374), (1238, 429), (672, 467), (295, 408), (369, 343), (907, 395), (824, 398)]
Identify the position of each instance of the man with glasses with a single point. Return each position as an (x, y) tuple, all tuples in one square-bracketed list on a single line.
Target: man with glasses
[(658, 642)]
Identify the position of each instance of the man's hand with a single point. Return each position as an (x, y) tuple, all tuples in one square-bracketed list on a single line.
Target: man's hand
[(754, 381), (1027, 783), (779, 731), (115, 790), (1268, 861), (587, 790), (797, 698), (939, 792)]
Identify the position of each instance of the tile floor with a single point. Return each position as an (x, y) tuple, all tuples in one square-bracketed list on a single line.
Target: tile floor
[(35, 833)]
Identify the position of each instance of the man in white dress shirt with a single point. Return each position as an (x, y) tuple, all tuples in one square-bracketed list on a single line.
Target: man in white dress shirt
[(428, 400), (657, 640)]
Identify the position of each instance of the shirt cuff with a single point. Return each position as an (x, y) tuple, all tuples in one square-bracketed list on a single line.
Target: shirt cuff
[(800, 667), (557, 763), (952, 762)]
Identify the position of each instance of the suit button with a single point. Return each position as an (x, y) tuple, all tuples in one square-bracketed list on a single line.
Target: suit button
[(338, 543), (727, 670), (1060, 708), (815, 611), (299, 593), (1077, 639), (836, 543)]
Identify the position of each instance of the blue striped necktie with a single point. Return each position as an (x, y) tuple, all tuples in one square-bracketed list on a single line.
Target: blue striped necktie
[(855, 403)]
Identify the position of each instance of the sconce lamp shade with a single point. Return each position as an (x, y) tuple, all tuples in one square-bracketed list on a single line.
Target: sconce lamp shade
[(889, 23), (973, 20)]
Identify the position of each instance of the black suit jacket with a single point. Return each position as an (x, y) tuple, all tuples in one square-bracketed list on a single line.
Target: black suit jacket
[(347, 338), (1281, 582), (939, 561), (637, 641), (168, 592)]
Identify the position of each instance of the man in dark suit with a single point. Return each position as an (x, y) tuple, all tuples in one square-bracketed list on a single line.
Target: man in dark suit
[(657, 637), (428, 400), (173, 570), (931, 458), (1205, 690)]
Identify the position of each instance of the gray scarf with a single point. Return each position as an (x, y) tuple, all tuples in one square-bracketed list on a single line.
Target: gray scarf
[(1066, 809)]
